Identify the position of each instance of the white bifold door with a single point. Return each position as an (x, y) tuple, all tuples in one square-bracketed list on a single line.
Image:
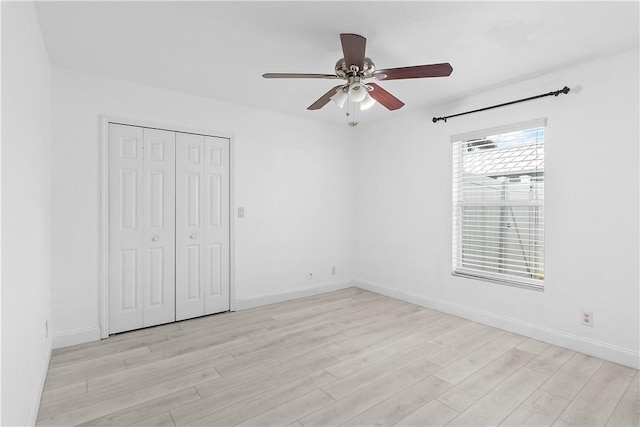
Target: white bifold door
[(168, 226), (202, 225)]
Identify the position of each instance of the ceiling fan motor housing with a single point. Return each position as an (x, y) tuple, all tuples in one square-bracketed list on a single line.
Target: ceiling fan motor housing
[(345, 72)]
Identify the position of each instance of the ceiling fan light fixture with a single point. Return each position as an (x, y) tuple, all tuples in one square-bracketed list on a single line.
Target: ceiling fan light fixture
[(357, 91), (367, 102), (340, 97)]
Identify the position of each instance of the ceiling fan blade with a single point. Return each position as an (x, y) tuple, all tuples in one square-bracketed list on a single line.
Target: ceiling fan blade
[(353, 48), (416, 72), (299, 76), (385, 98), (324, 99)]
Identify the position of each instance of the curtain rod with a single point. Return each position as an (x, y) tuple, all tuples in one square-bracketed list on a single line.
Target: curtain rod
[(564, 90)]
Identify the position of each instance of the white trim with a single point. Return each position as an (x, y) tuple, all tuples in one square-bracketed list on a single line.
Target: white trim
[(536, 123), (623, 356), (76, 336), (232, 228), (103, 206), (245, 303), (103, 226), (32, 417)]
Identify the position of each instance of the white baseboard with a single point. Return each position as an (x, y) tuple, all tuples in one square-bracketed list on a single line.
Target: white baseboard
[(616, 354), (244, 303), (76, 336)]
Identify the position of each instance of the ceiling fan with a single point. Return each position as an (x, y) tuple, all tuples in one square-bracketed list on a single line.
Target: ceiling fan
[(355, 68)]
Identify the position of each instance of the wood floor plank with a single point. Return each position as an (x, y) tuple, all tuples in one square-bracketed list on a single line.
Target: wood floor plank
[(310, 363), (286, 345), (273, 360), (597, 400), (550, 360), (187, 348), (356, 345), (102, 364), (258, 404), (349, 366), (184, 363), (121, 387), (433, 413), (401, 404), (458, 334), (390, 313), (440, 327), (366, 315), (627, 412), (308, 311), (146, 411), (161, 420), (465, 346), (218, 401), (572, 376), (540, 409), (474, 361), (533, 346), (104, 407), (352, 405), (472, 388), (102, 348), (65, 392), (291, 411), (496, 405), (72, 377), (216, 333), (362, 378)]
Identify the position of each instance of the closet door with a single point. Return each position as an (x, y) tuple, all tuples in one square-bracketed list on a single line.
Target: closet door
[(141, 227), (158, 291), (216, 189), (202, 225)]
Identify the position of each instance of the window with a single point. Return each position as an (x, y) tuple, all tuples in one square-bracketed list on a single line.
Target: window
[(498, 204)]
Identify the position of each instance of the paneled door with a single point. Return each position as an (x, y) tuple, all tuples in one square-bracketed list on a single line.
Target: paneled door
[(202, 225), (141, 227)]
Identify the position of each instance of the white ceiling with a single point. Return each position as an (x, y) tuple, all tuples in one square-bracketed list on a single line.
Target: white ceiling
[(220, 49)]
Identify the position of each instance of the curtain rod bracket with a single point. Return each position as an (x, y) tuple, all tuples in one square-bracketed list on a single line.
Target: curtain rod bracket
[(565, 90)]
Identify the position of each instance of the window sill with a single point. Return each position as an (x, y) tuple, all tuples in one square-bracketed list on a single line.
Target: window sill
[(507, 282)]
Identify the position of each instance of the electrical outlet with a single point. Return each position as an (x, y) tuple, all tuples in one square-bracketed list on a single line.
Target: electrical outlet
[(587, 318), (333, 271)]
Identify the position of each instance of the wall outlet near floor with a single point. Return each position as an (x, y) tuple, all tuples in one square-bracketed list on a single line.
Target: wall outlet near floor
[(587, 318), (333, 271)]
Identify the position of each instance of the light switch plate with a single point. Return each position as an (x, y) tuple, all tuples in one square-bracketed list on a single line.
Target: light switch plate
[(240, 212)]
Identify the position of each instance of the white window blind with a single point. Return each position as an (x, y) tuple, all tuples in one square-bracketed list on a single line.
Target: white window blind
[(498, 204)]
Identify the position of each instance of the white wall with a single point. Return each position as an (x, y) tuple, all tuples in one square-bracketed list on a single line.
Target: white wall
[(295, 178), (591, 210), (26, 210)]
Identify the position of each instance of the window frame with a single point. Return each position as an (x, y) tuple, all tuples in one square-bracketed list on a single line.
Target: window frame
[(458, 203)]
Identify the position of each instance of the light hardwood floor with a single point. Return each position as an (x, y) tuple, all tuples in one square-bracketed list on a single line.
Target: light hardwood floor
[(349, 357)]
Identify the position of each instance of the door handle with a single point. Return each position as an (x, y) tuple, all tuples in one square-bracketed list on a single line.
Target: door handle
[(155, 238), (193, 236)]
